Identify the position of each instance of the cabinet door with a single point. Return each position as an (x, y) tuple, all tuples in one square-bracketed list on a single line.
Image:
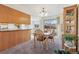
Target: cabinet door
[(1, 43), (70, 14), (5, 40)]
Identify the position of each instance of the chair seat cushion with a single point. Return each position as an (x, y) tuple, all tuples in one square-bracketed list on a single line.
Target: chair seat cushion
[(43, 38), (50, 37)]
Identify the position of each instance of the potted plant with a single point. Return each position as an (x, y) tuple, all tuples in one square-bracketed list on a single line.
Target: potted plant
[(61, 51), (70, 39)]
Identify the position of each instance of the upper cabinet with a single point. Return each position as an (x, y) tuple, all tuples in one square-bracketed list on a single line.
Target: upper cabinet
[(71, 19), (9, 15)]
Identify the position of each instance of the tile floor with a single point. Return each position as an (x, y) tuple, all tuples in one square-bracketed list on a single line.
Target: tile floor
[(28, 48)]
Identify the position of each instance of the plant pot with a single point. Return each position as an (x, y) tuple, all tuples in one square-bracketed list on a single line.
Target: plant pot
[(70, 44)]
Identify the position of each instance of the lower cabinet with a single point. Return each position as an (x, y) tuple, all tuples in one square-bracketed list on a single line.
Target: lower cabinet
[(12, 38)]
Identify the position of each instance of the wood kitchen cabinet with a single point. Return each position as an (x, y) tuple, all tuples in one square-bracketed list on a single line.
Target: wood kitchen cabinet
[(11, 38), (10, 15)]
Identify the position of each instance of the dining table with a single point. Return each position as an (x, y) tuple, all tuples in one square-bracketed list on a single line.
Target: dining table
[(46, 34)]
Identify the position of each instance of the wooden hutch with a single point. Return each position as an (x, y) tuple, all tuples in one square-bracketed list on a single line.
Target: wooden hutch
[(71, 23)]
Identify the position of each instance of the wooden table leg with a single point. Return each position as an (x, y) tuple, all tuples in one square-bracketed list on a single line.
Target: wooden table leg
[(34, 42)]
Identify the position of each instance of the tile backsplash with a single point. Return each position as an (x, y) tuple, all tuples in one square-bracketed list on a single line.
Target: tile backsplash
[(12, 26)]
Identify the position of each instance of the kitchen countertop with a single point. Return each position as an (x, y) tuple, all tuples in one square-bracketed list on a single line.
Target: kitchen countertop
[(13, 30)]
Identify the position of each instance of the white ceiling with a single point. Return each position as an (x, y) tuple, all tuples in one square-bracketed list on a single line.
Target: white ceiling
[(34, 9)]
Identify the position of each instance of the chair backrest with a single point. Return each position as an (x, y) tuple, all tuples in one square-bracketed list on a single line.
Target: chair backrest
[(39, 35)]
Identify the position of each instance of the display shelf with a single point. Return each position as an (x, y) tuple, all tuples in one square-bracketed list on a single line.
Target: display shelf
[(71, 23)]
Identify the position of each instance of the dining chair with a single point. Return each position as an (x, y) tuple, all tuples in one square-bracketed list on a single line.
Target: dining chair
[(51, 37), (39, 37)]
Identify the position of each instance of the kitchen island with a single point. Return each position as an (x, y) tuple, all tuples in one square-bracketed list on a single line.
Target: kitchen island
[(10, 38)]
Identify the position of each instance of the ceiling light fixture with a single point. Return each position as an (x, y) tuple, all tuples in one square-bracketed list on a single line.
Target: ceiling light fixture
[(43, 12)]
